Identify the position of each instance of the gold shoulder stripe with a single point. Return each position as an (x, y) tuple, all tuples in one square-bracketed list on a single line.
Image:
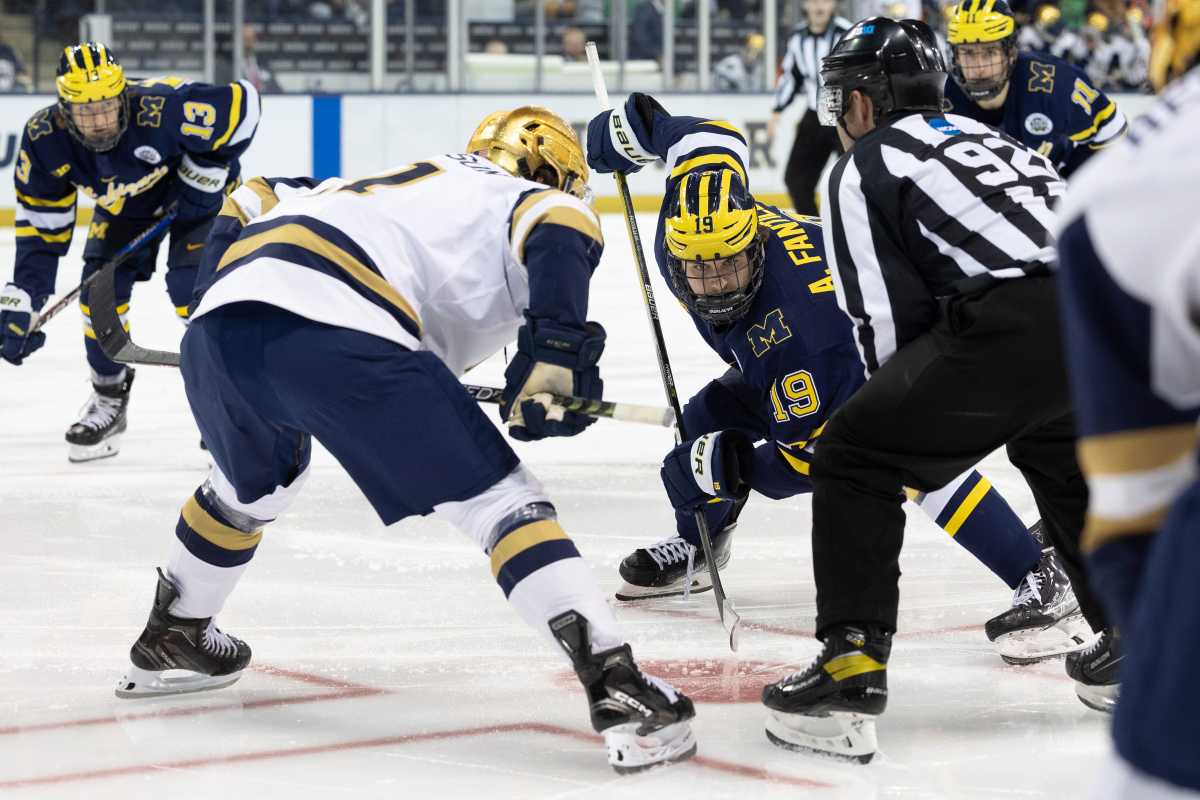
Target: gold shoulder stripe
[(265, 193), (298, 236), (1136, 451), (1101, 530), (230, 208), (215, 531), (235, 115), (574, 218), (527, 203), (65, 201), (711, 160)]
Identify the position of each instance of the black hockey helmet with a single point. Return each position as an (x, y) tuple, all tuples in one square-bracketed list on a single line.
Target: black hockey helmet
[(896, 63)]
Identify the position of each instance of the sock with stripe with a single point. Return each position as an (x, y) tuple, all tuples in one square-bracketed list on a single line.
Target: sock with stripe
[(542, 574), (977, 517), (209, 557)]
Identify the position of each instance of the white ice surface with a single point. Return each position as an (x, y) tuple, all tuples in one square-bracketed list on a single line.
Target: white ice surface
[(386, 662)]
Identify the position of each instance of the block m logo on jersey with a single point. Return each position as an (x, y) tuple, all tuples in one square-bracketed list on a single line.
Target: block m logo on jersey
[(772, 330)]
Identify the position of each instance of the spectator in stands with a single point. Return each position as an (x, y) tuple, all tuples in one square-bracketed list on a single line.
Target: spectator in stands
[(646, 30), (252, 70), (495, 47), (13, 77), (741, 71), (345, 10), (574, 45)]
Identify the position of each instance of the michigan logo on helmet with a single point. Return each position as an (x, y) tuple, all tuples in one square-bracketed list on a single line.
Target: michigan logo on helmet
[(534, 143), (1175, 45), (983, 44), (714, 249), (481, 140), (91, 95)]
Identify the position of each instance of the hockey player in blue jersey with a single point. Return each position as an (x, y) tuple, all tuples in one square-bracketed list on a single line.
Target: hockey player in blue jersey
[(755, 282), (135, 148), (346, 312), (1039, 100), (1130, 270)]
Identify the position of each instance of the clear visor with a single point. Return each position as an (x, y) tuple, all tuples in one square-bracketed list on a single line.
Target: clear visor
[(719, 277), (575, 186), (829, 105)]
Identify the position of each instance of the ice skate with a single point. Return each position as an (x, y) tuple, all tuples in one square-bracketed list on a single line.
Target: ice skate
[(1044, 620), (97, 434), (829, 707), (644, 720), (672, 567), (196, 649), (1096, 670)]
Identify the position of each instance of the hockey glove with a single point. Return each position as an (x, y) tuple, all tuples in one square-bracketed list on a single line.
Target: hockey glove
[(551, 359), (198, 190), (619, 140), (714, 465), (16, 317)]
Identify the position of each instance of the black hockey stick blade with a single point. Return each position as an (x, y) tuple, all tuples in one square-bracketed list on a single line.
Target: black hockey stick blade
[(110, 332)]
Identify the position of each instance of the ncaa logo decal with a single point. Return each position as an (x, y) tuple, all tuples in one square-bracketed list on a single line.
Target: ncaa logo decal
[(944, 126), (148, 154), (1038, 124)]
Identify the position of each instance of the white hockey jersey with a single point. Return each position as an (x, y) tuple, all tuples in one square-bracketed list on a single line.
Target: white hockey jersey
[(431, 256)]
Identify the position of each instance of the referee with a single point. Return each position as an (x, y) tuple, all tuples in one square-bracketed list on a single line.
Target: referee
[(938, 235), (810, 41)]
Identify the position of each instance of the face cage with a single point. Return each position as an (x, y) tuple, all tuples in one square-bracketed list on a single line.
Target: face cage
[(829, 105), (96, 145), (721, 309), (986, 89)]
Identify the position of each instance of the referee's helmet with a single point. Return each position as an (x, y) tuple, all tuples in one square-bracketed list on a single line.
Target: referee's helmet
[(894, 62)]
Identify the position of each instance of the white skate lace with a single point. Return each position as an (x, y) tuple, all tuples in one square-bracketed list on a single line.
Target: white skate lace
[(218, 642), (658, 683), (1030, 590), (669, 551), (99, 411)]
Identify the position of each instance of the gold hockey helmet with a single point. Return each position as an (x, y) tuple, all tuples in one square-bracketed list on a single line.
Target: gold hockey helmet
[(534, 143), (481, 139), (91, 95)]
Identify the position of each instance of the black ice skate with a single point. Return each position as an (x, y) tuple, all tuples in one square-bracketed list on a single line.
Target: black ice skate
[(97, 434), (1045, 620), (675, 566), (210, 658), (1096, 671), (829, 708), (643, 719)]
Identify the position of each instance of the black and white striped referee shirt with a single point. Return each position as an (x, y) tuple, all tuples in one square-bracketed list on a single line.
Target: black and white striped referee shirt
[(927, 206), (801, 69)]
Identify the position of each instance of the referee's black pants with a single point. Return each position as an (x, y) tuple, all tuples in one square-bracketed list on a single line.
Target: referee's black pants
[(991, 372), (810, 152)]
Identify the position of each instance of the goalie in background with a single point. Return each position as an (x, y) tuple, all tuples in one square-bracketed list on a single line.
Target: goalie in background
[(136, 148), (347, 312)]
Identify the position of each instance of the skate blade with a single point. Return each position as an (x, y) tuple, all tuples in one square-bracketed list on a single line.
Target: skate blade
[(1098, 698), (80, 453), (1031, 645), (843, 736), (139, 682), (629, 591), (628, 752)]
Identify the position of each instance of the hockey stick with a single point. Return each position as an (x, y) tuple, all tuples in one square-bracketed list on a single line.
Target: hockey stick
[(116, 343), (146, 236), (730, 619)]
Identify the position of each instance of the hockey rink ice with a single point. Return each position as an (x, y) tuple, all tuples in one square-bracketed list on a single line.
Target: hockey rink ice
[(386, 661)]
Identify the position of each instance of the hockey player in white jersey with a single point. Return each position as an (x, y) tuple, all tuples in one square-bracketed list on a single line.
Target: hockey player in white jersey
[(346, 312), (1130, 261)]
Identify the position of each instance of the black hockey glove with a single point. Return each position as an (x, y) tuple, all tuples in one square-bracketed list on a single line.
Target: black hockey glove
[(714, 465), (551, 359)]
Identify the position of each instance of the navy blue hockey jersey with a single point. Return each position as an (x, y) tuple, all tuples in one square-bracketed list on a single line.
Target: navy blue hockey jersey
[(1051, 108), (172, 122)]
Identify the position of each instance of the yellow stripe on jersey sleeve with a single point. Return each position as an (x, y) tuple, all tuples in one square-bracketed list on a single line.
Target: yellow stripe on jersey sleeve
[(40, 202), (297, 235), (729, 126), (710, 160), (28, 231), (1135, 451), (1097, 121), (555, 207), (235, 115)]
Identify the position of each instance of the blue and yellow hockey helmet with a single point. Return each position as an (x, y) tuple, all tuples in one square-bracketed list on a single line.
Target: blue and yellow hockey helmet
[(1175, 46), (985, 33), (713, 245), (91, 90)]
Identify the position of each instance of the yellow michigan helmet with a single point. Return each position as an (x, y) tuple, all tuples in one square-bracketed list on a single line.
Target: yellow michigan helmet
[(975, 24), (89, 73), (534, 143), (481, 139), (1175, 46), (712, 218)]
